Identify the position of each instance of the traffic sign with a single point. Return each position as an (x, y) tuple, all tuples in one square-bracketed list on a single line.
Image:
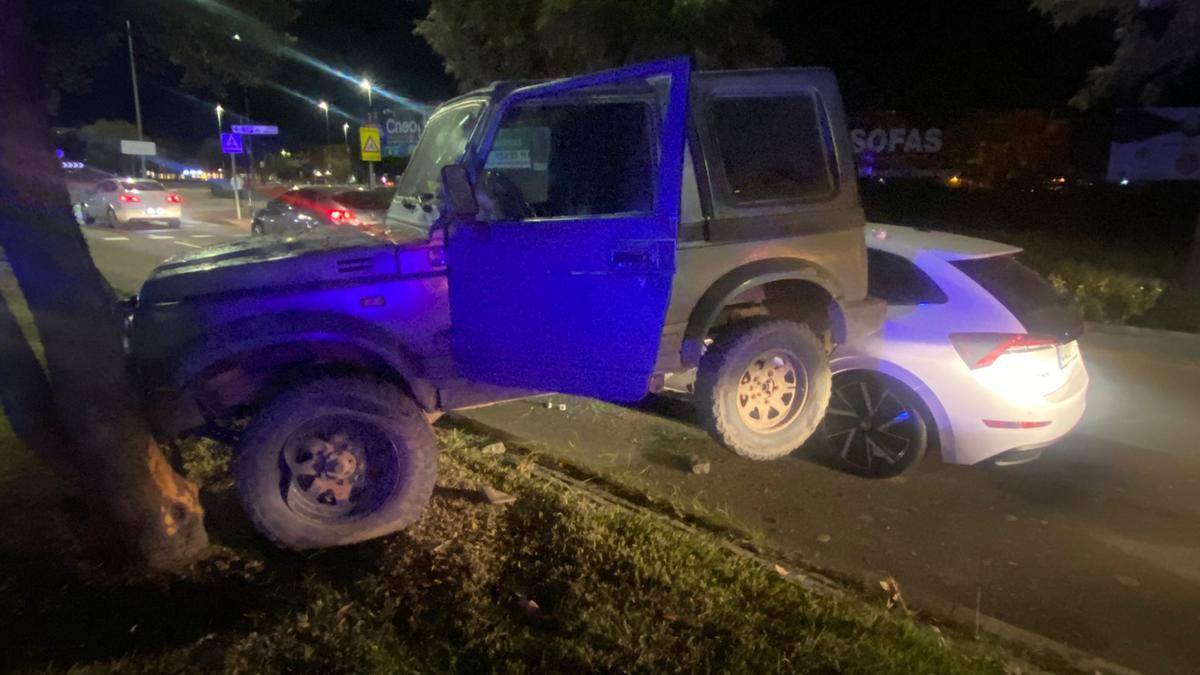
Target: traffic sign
[(137, 147), (231, 144), (256, 129), (369, 144)]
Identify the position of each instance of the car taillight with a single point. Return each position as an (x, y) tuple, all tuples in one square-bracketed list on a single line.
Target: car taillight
[(980, 350), (341, 215), (130, 199), (174, 199)]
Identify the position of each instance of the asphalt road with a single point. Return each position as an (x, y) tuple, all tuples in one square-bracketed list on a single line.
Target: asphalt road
[(1097, 545), (127, 255)]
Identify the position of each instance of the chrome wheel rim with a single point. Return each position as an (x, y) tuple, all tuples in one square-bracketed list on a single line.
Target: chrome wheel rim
[(771, 391), (337, 468), (869, 425)]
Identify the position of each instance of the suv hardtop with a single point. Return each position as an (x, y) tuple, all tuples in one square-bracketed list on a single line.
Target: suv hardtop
[(630, 231)]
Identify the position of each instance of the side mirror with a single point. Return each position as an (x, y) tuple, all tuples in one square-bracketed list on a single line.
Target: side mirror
[(460, 194)]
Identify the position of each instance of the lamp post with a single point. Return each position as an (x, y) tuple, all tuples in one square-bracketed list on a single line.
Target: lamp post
[(237, 203), (366, 84), (325, 108)]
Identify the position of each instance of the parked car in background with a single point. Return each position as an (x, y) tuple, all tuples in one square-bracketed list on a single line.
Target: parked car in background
[(117, 202), (978, 356), (312, 206)]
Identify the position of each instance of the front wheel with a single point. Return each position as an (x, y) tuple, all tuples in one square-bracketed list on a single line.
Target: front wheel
[(336, 461), (762, 389), (874, 426)]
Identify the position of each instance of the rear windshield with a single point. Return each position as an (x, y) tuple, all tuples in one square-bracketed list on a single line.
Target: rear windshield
[(144, 186), (365, 200), (1017, 287)]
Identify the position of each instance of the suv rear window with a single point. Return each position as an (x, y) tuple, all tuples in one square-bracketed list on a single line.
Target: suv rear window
[(145, 186), (1030, 298), (897, 281), (774, 147)]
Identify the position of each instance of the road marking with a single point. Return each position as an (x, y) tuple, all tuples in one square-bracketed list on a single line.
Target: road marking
[(203, 236), (184, 243), (116, 239), (159, 236)]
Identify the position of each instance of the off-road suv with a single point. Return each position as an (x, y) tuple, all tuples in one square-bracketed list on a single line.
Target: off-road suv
[(609, 235)]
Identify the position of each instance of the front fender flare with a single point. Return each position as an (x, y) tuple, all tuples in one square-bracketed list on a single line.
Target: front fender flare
[(227, 342)]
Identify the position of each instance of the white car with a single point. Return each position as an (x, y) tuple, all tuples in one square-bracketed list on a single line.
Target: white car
[(117, 202), (978, 355)]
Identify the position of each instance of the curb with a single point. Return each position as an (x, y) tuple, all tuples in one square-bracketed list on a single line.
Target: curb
[(1137, 331), (817, 581)]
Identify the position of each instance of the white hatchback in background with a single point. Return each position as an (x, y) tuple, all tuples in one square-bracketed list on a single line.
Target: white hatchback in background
[(117, 202), (978, 354)]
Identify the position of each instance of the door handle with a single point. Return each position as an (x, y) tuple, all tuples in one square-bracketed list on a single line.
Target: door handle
[(630, 258)]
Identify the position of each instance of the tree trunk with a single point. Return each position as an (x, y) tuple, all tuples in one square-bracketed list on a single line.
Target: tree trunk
[(1191, 274), (81, 414)]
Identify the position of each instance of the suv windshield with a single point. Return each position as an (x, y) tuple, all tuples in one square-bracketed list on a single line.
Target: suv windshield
[(442, 143)]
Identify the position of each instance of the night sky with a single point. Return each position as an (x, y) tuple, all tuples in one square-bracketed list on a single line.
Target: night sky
[(918, 54)]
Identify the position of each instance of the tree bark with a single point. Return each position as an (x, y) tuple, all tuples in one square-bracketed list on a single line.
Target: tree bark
[(1191, 274), (81, 414)]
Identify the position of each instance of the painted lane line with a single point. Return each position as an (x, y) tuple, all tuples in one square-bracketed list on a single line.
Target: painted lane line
[(184, 243), (203, 236), (159, 236), (116, 239)]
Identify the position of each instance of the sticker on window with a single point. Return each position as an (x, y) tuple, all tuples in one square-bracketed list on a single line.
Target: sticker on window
[(518, 147)]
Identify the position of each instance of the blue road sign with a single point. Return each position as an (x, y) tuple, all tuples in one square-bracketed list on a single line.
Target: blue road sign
[(231, 144)]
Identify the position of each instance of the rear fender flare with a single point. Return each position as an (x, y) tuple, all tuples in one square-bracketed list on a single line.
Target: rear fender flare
[(748, 277)]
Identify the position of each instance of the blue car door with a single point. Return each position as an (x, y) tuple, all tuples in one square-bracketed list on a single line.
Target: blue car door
[(562, 282)]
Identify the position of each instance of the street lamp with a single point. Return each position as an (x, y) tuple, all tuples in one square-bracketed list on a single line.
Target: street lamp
[(366, 84), (237, 202), (325, 108)]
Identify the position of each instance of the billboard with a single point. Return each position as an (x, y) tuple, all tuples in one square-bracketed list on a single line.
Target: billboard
[(401, 131), (977, 147), (1155, 144)]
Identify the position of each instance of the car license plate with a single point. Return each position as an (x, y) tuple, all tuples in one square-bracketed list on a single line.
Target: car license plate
[(1067, 353)]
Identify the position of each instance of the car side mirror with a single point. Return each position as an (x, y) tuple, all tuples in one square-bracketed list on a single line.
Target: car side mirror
[(460, 194)]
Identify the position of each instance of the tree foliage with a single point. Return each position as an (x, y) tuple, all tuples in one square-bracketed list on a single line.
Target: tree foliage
[(102, 142), (482, 40), (1158, 43)]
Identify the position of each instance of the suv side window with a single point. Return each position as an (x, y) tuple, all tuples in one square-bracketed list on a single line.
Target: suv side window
[(575, 157), (774, 147), (108, 186), (898, 281)]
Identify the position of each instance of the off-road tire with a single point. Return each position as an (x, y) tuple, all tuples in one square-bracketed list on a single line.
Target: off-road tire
[(722, 367), (260, 470)]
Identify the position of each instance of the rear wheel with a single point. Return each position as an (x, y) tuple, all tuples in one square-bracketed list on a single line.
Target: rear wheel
[(173, 223), (874, 426), (762, 389), (336, 461), (256, 228), (110, 219)]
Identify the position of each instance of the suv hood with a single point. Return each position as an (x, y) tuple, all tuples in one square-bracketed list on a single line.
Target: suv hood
[(258, 264)]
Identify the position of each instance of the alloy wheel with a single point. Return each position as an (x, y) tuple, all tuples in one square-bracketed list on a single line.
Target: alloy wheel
[(870, 425)]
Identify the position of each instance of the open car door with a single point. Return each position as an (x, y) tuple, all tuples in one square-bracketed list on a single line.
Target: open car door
[(562, 281)]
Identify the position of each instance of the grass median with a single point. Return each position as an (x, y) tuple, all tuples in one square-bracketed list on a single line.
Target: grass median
[(553, 582)]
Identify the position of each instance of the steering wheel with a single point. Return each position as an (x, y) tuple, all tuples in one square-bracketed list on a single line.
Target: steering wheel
[(507, 197)]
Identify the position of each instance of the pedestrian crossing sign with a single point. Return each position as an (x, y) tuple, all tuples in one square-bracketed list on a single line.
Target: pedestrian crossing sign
[(369, 144)]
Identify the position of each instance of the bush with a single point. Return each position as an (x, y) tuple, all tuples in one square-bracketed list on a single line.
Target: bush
[(1103, 293)]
